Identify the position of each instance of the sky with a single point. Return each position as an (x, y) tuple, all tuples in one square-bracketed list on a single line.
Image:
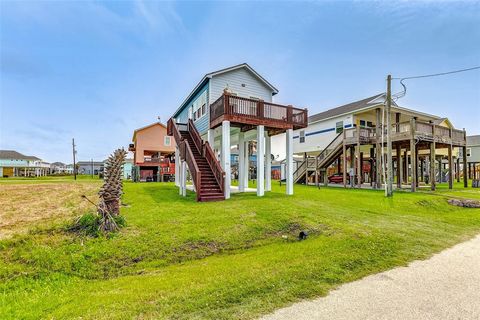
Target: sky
[(95, 71)]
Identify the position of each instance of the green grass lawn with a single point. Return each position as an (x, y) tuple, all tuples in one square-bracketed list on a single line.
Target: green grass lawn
[(233, 259)]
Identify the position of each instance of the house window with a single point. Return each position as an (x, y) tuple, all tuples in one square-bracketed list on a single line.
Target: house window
[(369, 124), (203, 108), (362, 123), (302, 136), (469, 152), (167, 141), (339, 127)]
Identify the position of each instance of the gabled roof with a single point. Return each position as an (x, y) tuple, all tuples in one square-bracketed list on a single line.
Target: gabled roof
[(146, 127), (11, 154), (473, 141), (348, 108), (364, 105), (221, 71)]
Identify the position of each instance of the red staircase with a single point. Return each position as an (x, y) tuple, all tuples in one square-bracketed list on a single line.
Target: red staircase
[(207, 174)]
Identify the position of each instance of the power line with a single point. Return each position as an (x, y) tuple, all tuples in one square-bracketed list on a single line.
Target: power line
[(404, 92), (437, 74)]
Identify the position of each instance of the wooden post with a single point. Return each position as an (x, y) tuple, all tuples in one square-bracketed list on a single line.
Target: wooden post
[(378, 151), (389, 138), (465, 178), (401, 164), (413, 155), (432, 160), (358, 172), (344, 163), (416, 167), (399, 167), (457, 171), (450, 166), (316, 171)]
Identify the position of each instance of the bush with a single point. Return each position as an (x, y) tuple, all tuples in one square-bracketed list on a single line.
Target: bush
[(89, 224)]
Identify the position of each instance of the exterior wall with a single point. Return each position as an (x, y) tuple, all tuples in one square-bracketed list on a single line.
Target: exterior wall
[(152, 139), (127, 170), (196, 102), (14, 163), (253, 87), (319, 134), (473, 148), (86, 168)]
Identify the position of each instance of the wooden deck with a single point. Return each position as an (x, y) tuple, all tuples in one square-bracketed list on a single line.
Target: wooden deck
[(248, 113)]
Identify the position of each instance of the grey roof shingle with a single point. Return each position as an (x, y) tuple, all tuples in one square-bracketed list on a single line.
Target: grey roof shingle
[(11, 154), (347, 108)]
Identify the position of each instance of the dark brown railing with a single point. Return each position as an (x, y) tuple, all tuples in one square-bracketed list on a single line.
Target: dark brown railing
[(194, 171), (257, 110), (214, 165), (302, 168), (195, 135)]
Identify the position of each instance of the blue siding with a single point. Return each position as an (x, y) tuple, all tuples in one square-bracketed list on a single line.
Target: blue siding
[(203, 122)]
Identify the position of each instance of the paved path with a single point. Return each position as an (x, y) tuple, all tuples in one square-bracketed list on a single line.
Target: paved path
[(447, 286)]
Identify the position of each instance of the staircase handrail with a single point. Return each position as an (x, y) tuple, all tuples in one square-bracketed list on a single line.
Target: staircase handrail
[(195, 135), (327, 150), (194, 170), (214, 165)]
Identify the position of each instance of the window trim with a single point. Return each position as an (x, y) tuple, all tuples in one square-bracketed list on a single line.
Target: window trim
[(339, 126), (302, 136), (169, 141)]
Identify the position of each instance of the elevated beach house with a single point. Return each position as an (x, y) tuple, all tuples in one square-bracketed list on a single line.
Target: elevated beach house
[(15, 164), (231, 107), (350, 140)]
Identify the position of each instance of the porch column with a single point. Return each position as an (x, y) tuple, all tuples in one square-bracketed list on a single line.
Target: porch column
[(260, 161), (344, 156), (378, 151), (432, 166), (211, 138), (225, 157), (413, 155), (241, 162), (289, 162), (450, 167), (177, 167), (457, 171), (183, 179), (399, 165), (465, 178), (358, 171), (400, 168), (268, 162), (246, 164)]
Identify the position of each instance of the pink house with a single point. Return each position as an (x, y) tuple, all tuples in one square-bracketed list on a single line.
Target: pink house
[(153, 152)]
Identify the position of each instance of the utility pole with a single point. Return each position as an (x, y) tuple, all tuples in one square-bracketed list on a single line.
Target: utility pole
[(74, 164), (389, 138)]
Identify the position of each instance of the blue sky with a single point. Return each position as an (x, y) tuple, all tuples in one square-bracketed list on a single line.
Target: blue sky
[(98, 70)]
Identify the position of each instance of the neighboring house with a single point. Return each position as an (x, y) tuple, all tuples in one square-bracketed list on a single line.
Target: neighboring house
[(127, 169), (355, 128), (153, 149), (473, 156), (61, 168), (233, 106), (15, 164), (90, 167)]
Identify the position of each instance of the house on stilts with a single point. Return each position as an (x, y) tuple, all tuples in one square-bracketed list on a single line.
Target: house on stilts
[(350, 140), (231, 107)]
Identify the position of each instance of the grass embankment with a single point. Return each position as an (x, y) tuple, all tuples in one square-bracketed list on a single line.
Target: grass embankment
[(182, 259)]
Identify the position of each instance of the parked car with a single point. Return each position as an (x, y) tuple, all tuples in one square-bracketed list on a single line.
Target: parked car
[(337, 178)]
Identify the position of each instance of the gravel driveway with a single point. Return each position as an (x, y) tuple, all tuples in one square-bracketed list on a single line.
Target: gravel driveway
[(446, 286)]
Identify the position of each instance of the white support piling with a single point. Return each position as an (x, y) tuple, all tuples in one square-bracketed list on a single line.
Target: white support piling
[(225, 157), (260, 161), (289, 158)]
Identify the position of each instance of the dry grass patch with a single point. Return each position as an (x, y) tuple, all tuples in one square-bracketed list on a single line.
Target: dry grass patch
[(24, 206)]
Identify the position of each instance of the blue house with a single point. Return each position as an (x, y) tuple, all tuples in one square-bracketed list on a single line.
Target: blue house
[(231, 107)]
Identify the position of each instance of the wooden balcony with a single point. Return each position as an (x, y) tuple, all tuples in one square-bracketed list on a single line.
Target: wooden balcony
[(405, 131), (247, 113)]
